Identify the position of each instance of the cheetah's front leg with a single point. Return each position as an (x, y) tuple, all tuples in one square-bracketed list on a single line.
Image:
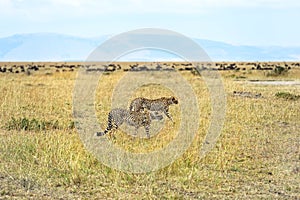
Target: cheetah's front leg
[(147, 129), (168, 115)]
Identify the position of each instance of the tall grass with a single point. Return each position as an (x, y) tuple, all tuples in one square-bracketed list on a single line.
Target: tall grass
[(41, 155)]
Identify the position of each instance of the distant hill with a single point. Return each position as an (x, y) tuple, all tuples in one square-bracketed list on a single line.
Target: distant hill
[(46, 47), (58, 47)]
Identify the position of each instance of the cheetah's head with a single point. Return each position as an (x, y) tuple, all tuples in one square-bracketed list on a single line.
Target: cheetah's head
[(174, 100)]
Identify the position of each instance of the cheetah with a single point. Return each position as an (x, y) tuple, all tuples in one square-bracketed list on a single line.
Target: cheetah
[(118, 116), (157, 105)]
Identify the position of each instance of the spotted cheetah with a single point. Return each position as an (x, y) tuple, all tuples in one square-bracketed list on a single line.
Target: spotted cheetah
[(118, 116), (157, 105)]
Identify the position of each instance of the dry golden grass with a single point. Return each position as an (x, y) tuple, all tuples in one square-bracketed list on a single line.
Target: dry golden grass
[(256, 156)]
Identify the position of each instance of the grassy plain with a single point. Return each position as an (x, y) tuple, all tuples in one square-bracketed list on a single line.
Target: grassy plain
[(256, 155)]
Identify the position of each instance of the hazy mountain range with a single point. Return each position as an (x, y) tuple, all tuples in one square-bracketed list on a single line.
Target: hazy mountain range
[(58, 47)]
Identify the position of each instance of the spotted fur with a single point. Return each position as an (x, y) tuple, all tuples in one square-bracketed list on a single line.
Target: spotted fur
[(118, 116), (158, 105)]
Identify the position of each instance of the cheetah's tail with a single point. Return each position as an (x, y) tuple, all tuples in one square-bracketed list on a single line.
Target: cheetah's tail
[(100, 133)]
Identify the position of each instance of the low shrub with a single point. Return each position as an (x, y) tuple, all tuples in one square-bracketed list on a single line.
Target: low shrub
[(287, 96), (26, 124)]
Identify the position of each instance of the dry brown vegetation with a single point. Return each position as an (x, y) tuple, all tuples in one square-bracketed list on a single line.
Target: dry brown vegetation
[(256, 156)]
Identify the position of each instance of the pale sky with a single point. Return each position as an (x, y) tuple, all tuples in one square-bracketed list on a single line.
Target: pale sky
[(246, 22)]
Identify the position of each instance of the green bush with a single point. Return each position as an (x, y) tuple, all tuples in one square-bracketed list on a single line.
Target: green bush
[(34, 124), (277, 71), (287, 96)]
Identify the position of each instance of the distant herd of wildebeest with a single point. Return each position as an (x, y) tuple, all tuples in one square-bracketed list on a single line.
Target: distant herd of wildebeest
[(27, 68)]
